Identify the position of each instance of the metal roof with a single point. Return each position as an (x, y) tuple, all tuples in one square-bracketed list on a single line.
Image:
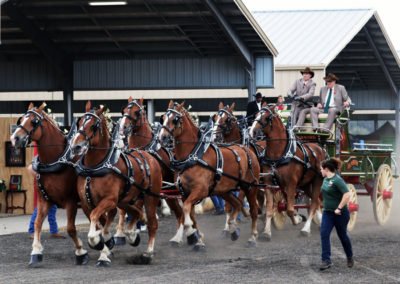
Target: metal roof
[(351, 43), (140, 28)]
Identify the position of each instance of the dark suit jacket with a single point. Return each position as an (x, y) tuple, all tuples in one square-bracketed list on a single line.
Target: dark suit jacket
[(252, 108)]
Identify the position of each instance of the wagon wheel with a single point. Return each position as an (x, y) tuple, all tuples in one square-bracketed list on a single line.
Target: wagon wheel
[(279, 218), (382, 195), (353, 207)]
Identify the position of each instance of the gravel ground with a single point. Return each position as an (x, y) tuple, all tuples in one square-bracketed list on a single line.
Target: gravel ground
[(288, 258)]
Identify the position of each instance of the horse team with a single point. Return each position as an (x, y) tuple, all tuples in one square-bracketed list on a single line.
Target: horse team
[(106, 166)]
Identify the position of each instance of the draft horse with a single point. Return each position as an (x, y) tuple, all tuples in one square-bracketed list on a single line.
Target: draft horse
[(205, 169), (290, 164), (136, 128), (56, 177), (108, 178)]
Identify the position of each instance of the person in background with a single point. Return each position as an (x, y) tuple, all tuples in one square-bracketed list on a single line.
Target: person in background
[(335, 196), (333, 99), (253, 107), (51, 217), (219, 204), (302, 92), (279, 103)]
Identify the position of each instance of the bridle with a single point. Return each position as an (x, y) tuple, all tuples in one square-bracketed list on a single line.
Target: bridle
[(133, 121), (227, 126), (95, 127), (268, 119), (36, 122), (177, 120)]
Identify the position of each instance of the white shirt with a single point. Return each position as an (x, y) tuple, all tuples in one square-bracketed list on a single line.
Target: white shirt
[(259, 105), (332, 100)]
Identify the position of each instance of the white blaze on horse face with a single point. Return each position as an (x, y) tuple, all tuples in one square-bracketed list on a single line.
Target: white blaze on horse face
[(14, 135), (121, 126), (165, 123), (258, 117), (215, 128)]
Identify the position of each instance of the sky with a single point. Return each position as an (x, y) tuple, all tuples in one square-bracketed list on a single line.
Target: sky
[(388, 10)]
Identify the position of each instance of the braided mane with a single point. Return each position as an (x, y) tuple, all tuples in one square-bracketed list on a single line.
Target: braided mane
[(190, 117)]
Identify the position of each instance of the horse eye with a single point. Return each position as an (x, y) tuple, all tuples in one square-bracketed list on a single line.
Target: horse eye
[(35, 121), (137, 113)]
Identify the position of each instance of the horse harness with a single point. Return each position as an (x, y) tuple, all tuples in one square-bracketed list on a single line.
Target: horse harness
[(195, 158), (289, 153)]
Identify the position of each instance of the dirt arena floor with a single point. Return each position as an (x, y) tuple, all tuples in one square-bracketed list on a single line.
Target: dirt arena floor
[(288, 258)]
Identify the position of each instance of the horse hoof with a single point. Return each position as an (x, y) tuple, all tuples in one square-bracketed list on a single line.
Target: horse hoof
[(35, 260), (193, 238), (119, 241), (265, 237), (199, 248), (137, 241), (99, 246), (305, 233), (144, 258), (225, 234), (103, 263), (110, 243), (82, 259), (251, 244), (235, 235), (175, 244)]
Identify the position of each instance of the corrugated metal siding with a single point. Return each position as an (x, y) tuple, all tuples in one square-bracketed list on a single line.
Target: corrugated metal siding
[(264, 72), (307, 37), (372, 99), (168, 73), (27, 76)]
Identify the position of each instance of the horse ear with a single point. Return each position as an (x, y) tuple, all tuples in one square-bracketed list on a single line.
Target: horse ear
[(179, 108), (264, 104), (232, 107), (140, 102), (171, 104), (31, 106), (88, 106), (42, 107), (221, 106), (273, 108), (130, 99)]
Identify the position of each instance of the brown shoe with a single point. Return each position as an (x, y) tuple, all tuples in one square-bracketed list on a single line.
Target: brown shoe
[(31, 236), (350, 262), (57, 236), (325, 265)]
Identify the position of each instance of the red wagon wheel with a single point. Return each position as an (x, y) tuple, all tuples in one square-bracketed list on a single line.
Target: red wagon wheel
[(382, 195), (353, 207), (279, 210)]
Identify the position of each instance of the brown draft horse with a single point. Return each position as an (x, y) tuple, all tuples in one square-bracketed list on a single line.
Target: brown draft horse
[(227, 130), (56, 187), (198, 181), (135, 126), (290, 175), (120, 180)]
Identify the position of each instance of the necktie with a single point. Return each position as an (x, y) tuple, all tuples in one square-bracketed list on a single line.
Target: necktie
[(328, 100)]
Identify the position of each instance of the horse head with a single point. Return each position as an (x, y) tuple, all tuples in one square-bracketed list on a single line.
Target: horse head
[(224, 122), (264, 120), (133, 116), (29, 126), (171, 122), (89, 130)]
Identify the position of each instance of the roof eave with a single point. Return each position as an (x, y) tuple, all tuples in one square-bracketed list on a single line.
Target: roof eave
[(256, 27)]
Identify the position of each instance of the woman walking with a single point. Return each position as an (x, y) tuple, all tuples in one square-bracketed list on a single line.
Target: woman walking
[(335, 197)]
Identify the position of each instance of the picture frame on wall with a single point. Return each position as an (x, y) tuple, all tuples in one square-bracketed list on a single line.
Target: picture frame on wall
[(15, 182), (15, 157)]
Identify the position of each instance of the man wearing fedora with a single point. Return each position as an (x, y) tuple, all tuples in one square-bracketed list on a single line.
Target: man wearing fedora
[(302, 92), (333, 98), (253, 107)]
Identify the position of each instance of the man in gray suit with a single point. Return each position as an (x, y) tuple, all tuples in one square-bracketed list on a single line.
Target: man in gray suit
[(333, 98), (302, 92)]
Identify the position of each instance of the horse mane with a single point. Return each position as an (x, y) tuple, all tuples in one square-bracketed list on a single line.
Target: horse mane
[(52, 122), (186, 112)]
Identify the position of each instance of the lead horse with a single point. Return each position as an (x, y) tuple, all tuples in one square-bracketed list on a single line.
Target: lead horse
[(56, 177), (109, 178), (290, 164), (205, 169)]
